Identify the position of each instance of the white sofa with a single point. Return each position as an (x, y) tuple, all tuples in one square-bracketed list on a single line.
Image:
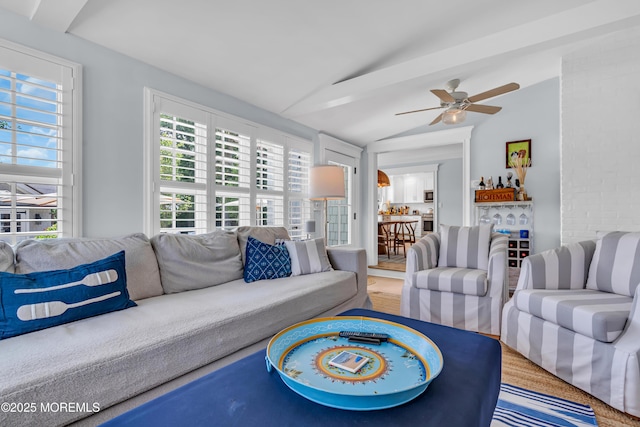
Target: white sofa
[(107, 364)]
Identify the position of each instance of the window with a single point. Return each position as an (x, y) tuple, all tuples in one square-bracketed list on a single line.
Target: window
[(39, 145), (299, 164), (208, 170), (339, 212)]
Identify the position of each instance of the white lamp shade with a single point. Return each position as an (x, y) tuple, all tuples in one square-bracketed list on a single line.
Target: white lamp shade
[(327, 182)]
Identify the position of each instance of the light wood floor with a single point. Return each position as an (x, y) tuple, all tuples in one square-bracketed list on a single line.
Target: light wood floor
[(516, 369)]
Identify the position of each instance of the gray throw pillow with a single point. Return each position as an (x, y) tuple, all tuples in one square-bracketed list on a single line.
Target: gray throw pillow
[(465, 247), (615, 266), (268, 235), (143, 277), (308, 256), (6, 258), (190, 262)]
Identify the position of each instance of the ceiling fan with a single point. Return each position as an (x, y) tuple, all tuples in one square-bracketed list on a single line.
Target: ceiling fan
[(458, 103)]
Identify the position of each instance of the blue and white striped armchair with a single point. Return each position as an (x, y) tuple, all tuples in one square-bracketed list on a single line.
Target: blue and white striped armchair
[(575, 313), (457, 277)]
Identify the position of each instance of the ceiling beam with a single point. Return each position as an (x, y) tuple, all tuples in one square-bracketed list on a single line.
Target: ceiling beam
[(593, 19), (56, 15)]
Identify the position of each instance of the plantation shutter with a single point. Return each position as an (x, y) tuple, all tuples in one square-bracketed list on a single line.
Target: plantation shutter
[(233, 173), (299, 164), (36, 147), (269, 183), (214, 171), (182, 169)]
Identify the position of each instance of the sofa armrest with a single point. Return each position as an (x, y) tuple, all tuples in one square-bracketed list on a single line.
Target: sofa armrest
[(497, 268), (351, 259), (565, 267), (423, 255)]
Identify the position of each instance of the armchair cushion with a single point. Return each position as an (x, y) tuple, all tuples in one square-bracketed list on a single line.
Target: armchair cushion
[(465, 247), (452, 279), (565, 267), (598, 315), (616, 263)]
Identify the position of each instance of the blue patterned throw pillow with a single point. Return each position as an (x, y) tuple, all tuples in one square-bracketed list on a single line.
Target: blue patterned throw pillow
[(34, 301), (266, 261)]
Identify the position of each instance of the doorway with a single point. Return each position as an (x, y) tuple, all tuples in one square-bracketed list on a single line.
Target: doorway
[(416, 151)]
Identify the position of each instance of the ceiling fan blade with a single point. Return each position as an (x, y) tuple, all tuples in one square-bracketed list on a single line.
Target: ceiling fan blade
[(486, 109), (436, 120), (494, 92), (443, 95), (417, 111)]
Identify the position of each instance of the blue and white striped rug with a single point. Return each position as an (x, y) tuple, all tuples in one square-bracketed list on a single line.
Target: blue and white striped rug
[(518, 407)]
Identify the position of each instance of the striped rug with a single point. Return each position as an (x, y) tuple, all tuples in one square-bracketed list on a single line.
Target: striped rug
[(524, 408)]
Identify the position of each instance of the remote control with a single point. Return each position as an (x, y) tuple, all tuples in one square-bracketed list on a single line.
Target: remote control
[(350, 334), (365, 340)]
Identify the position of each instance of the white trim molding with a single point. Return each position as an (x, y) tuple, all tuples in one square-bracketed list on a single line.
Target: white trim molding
[(449, 143)]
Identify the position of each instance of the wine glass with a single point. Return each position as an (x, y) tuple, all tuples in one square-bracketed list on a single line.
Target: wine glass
[(524, 219), (497, 218), (511, 219), (484, 219)]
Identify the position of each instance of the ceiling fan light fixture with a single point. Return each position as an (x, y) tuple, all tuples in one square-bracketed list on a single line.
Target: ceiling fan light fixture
[(453, 116)]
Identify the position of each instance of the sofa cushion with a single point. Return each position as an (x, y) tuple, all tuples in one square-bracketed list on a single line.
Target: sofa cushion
[(266, 261), (465, 247), (188, 262), (265, 234), (616, 263), (143, 277), (308, 256), (452, 279), (6, 258), (598, 315), (164, 337), (34, 301)]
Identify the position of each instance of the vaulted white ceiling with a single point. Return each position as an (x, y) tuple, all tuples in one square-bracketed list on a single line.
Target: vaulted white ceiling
[(344, 67)]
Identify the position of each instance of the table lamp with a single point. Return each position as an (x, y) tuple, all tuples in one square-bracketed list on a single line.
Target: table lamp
[(327, 183), (309, 227)]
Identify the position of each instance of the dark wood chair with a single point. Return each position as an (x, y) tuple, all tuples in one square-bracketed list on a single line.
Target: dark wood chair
[(386, 237), (405, 234)]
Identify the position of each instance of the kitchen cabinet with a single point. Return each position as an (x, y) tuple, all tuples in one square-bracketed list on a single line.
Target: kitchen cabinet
[(413, 188), (429, 181), (395, 192), (409, 188)]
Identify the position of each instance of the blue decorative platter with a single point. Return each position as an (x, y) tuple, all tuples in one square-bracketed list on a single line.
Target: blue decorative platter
[(398, 370)]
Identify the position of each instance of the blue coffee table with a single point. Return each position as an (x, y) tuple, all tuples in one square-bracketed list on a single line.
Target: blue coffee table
[(244, 394)]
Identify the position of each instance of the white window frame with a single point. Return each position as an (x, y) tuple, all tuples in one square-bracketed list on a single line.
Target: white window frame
[(70, 197), (215, 120)]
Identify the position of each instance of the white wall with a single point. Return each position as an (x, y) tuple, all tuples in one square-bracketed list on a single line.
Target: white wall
[(529, 113), (600, 137), (449, 199), (113, 121)]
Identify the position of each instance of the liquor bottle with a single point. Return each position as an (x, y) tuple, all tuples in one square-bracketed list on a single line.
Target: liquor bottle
[(481, 186), (499, 184)]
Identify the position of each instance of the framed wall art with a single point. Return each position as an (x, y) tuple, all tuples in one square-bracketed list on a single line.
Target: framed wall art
[(521, 149)]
